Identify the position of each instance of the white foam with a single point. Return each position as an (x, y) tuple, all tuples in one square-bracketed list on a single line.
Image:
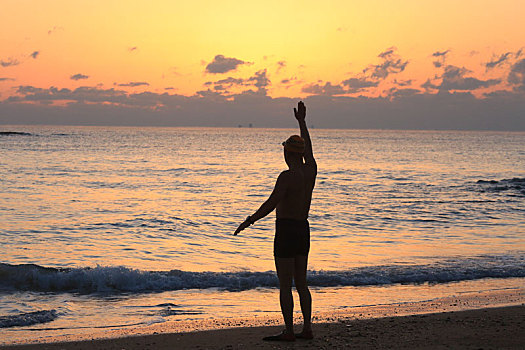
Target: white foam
[(28, 319), (109, 279)]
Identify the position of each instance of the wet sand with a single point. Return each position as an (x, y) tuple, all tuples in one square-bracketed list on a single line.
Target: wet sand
[(491, 319), (486, 328)]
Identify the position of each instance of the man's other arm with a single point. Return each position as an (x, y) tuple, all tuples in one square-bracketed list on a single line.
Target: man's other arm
[(269, 205)]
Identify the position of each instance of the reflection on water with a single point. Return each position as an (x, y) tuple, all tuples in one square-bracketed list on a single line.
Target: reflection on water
[(169, 198)]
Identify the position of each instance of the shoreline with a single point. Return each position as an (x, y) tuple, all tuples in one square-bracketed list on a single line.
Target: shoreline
[(502, 327), (495, 319)]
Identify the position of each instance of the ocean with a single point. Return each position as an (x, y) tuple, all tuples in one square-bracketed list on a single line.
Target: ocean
[(108, 227)]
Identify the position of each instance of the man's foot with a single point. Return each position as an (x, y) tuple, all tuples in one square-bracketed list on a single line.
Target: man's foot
[(283, 336), (305, 335)]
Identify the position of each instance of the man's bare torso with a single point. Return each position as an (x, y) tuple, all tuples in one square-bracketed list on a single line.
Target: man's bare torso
[(296, 202)]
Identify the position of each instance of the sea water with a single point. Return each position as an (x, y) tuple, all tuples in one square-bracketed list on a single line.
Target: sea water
[(113, 226)]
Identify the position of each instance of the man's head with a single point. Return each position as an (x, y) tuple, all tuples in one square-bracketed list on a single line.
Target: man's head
[(293, 149), (294, 144)]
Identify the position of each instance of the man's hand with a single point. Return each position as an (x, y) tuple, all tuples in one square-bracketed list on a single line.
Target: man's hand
[(300, 111), (241, 227)]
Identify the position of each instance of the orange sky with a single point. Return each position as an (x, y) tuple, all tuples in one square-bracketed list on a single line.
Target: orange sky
[(169, 44)]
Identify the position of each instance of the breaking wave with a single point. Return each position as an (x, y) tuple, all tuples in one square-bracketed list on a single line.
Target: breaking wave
[(515, 185), (28, 318), (114, 280)]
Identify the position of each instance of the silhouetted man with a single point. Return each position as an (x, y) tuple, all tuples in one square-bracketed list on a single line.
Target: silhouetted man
[(291, 198)]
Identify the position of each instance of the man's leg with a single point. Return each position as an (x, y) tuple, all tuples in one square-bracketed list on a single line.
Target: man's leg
[(285, 271), (301, 263)]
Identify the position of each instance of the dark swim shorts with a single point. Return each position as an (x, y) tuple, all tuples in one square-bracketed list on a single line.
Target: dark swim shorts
[(292, 237)]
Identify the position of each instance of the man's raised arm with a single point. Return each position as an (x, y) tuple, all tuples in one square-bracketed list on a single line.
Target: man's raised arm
[(300, 115)]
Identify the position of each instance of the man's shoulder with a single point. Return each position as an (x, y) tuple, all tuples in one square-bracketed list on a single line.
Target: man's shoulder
[(290, 176), (284, 175)]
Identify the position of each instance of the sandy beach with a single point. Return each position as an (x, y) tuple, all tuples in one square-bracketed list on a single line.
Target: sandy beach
[(494, 328), (467, 321)]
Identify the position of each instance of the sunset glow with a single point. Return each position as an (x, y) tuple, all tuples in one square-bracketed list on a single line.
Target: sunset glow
[(289, 49)]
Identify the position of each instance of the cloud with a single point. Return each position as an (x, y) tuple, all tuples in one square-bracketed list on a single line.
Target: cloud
[(371, 76), (83, 94), (403, 82), (454, 78), (259, 80), (387, 53), (134, 84), (221, 64), (225, 84), (211, 95), (231, 81), (28, 93), (441, 58), (453, 72), (79, 76), (440, 54), (6, 79), (395, 92), (281, 65), (358, 84), (35, 54), (219, 88), (428, 85), (496, 62), (408, 110), (324, 90), (517, 75), (391, 64), (450, 100), (9, 62), (289, 82)]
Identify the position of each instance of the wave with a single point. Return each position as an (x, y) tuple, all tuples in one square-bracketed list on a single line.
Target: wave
[(28, 318), (11, 133), (114, 280), (514, 185)]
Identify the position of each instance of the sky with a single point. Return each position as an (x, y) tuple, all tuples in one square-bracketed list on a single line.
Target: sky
[(405, 64)]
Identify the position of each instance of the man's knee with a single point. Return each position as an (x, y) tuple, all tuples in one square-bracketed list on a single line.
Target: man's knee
[(301, 286), (285, 286)]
